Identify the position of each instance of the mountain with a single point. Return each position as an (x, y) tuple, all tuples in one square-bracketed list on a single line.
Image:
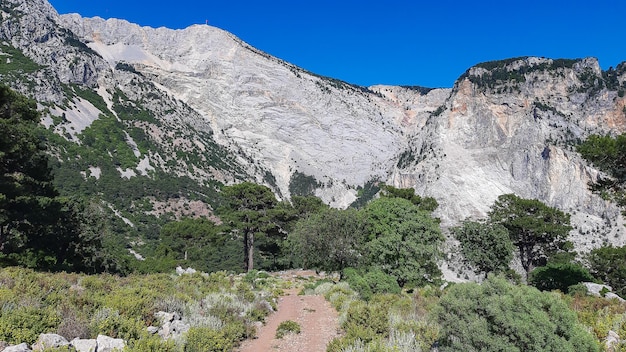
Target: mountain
[(151, 121)]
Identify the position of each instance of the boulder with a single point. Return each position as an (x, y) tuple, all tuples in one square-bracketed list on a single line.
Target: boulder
[(22, 347), (84, 345), (611, 295), (611, 341), (181, 271), (595, 289), (109, 344), (49, 341)]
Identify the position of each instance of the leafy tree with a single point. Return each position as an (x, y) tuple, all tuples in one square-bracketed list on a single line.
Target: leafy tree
[(608, 154), (329, 240), (370, 281), (404, 241), (38, 228), (248, 209), (499, 316), (609, 265), (201, 244), (484, 245), (427, 203), (536, 230), (559, 276)]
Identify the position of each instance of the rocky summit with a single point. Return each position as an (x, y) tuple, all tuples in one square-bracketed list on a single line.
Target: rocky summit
[(186, 110)]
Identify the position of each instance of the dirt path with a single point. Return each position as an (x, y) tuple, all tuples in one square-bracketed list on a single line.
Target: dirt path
[(317, 319)]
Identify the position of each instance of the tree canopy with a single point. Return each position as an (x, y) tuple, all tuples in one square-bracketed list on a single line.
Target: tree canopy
[(403, 241), (485, 245), (608, 154), (423, 203), (536, 230), (329, 240), (38, 228), (248, 208)]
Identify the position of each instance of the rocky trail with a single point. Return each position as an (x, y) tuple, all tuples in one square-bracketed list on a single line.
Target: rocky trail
[(317, 318)]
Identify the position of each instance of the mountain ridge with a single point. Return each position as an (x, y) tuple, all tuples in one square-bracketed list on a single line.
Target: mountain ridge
[(203, 105)]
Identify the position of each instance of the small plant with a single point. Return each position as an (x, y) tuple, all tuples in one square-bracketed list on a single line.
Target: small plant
[(286, 327)]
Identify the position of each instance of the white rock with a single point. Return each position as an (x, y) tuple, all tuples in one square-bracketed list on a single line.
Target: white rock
[(22, 347), (49, 341), (109, 344), (84, 345)]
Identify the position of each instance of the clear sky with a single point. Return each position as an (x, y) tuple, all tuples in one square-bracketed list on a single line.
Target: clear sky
[(425, 43)]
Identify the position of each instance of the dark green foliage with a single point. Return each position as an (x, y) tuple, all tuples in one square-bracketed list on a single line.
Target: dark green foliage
[(501, 77), (247, 211), (329, 240), (124, 66), (421, 90), (559, 276), (499, 316), (302, 185), (368, 282), (200, 244), (536, 230), (484, 245), (428, 204), (38, 228), (14, 62), (403, 241), (608, 154), (609, 265), (366, 193)]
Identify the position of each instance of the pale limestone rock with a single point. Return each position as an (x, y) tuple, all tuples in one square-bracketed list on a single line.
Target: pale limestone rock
[(84, 345), (49, 341), (109, 344), (22, 347)]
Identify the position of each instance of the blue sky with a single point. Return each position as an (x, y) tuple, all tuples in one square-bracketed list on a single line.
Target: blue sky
[(425, 43)]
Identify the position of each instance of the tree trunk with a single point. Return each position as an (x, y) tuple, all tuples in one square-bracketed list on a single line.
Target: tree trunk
[(249, 251)]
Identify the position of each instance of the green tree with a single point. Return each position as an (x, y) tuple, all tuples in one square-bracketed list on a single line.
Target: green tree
[(403, 241), (201, 244), (247, 210), (499, 316), (484, 245), (536, 230), (608, 154), (608, 264), (38, 228), (559, 276), (427, 203), (329, 240)]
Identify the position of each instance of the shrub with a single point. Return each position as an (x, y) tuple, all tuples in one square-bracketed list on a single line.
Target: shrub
[(499, 316), (153, 344), (374, 281), (286, 327), (24, 324), (559, 276), (206, 339), (609, 265)]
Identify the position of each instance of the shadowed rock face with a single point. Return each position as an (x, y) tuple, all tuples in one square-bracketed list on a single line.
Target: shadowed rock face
[(505, 127)]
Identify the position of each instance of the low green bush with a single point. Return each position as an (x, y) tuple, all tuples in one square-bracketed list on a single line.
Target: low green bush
[(287, 327), (207, 339)]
